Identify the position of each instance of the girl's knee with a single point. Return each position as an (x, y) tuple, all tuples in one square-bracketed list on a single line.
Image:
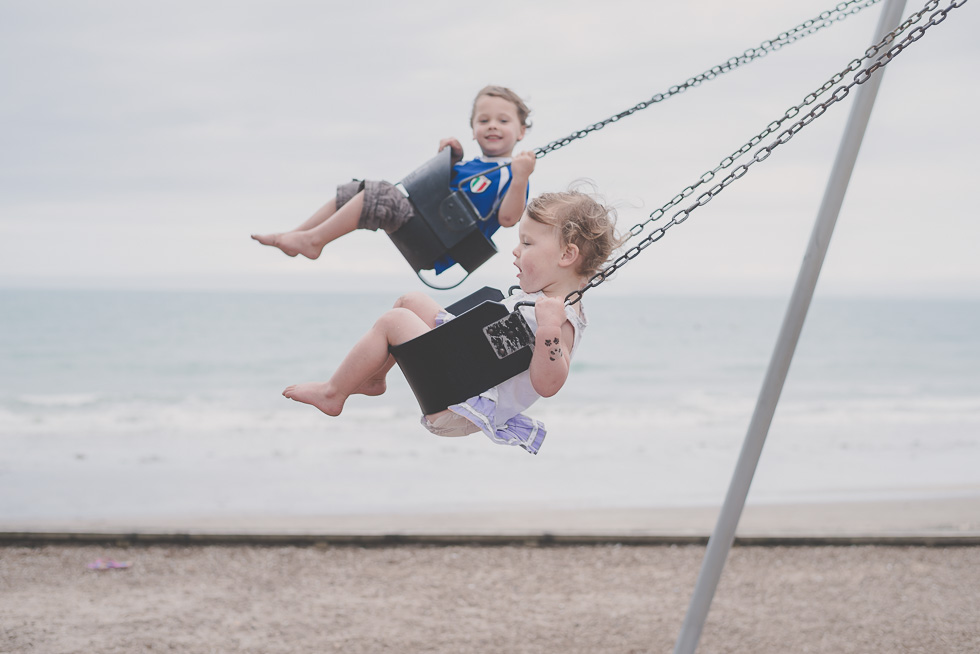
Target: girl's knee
[(395, 316), (413, 299), (400, 325)]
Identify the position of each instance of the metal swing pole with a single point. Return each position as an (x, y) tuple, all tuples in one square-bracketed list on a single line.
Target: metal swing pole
[(724, 533)]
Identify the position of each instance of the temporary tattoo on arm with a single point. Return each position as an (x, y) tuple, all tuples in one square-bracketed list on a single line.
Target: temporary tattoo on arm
[(555, 352)]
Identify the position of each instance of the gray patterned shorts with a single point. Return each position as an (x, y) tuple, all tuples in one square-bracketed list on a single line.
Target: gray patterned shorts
[(385, 206)]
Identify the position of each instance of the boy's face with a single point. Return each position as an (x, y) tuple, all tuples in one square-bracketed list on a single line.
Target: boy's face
[(496, 127)]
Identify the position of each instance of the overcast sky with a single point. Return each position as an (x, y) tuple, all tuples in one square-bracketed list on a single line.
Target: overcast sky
[(142, 142)]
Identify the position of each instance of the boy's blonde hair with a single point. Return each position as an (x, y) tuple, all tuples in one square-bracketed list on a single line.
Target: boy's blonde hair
[(582, 220), (503, 92)]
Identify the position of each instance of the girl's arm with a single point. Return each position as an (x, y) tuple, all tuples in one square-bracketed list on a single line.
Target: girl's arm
[(512, 206), (552, 347)]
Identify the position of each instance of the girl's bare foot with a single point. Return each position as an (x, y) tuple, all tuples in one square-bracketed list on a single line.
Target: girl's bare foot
[(291, 243), (318, 394)]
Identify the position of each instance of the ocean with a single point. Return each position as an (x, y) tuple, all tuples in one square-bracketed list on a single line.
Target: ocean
[(116, 404)]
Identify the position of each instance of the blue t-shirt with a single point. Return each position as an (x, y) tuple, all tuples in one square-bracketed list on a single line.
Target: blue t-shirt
[(485, 191)]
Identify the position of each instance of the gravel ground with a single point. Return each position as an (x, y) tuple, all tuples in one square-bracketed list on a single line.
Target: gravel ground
[(486, 599)]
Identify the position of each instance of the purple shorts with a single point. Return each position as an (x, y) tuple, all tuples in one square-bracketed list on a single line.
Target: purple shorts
[(479, 414)]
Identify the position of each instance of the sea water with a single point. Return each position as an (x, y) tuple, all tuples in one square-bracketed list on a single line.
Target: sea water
[(126, 403)]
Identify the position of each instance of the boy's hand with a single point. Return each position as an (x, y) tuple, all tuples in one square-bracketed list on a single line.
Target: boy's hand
[(454, 146), (549, 312), (522, 165)]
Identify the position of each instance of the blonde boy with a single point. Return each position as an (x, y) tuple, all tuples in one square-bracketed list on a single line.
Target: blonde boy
[(499, 120)]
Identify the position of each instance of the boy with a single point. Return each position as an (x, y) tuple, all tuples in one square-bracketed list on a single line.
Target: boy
[(499, 120)]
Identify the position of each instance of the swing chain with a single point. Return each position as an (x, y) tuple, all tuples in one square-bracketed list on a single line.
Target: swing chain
[(771, 128), (804, 29), (784, 137)]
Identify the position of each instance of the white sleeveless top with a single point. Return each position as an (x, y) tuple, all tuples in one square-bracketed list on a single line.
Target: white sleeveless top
[(517, 394)]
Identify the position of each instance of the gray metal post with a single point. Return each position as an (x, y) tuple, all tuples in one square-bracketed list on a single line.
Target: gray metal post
[(724, 534)]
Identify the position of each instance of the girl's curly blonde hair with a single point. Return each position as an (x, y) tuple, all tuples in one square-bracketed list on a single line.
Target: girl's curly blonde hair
[(583, 220)]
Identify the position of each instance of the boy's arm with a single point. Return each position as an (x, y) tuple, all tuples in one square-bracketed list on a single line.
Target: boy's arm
[(512, 206), (552, 347), (454, 146)]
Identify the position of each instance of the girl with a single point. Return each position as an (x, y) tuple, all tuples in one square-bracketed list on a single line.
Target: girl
[(565, 238)]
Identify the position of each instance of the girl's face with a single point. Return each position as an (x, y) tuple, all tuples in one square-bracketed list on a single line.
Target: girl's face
[(537, 255), (496, 126)]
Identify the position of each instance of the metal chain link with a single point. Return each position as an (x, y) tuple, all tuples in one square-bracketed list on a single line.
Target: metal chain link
[(792, 112), (804, 29), (763, 153)]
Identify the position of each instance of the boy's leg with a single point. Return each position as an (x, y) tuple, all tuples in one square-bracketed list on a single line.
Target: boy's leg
[(366, 357), (321, 214), (310, 242), (426, 309)]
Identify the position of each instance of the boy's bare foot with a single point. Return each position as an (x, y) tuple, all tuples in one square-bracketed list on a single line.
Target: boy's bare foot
[(291, 243), (318, 394), (269, 239), (373, 387)]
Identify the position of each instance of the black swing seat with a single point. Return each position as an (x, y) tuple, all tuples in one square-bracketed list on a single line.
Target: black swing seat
[(459, 359), (445, 221)]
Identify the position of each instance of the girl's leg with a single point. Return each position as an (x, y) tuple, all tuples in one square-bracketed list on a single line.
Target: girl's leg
[(422, 306), (426, 309), (310, 242), (366, 358)]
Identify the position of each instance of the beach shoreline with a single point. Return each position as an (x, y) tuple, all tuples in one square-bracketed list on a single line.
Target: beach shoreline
[(942, 516)]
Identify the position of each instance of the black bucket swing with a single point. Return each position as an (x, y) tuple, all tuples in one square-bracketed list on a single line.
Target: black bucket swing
[(486, 344), (445, 222)]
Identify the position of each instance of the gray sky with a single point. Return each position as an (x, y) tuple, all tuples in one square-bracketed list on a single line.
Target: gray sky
[(141, 143)]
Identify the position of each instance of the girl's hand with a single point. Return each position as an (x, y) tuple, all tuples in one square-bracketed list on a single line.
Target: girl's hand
[(522, 165), (454, 146), (549, 312)]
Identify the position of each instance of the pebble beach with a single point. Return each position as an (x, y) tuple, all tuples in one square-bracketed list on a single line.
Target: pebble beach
[(610, 598)]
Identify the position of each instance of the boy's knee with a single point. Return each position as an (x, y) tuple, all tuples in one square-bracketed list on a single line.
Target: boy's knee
[(347, 192), (384, 207)]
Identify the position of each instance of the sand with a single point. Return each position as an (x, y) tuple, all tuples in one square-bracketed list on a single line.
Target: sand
[(189, 590), (609, 598)]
